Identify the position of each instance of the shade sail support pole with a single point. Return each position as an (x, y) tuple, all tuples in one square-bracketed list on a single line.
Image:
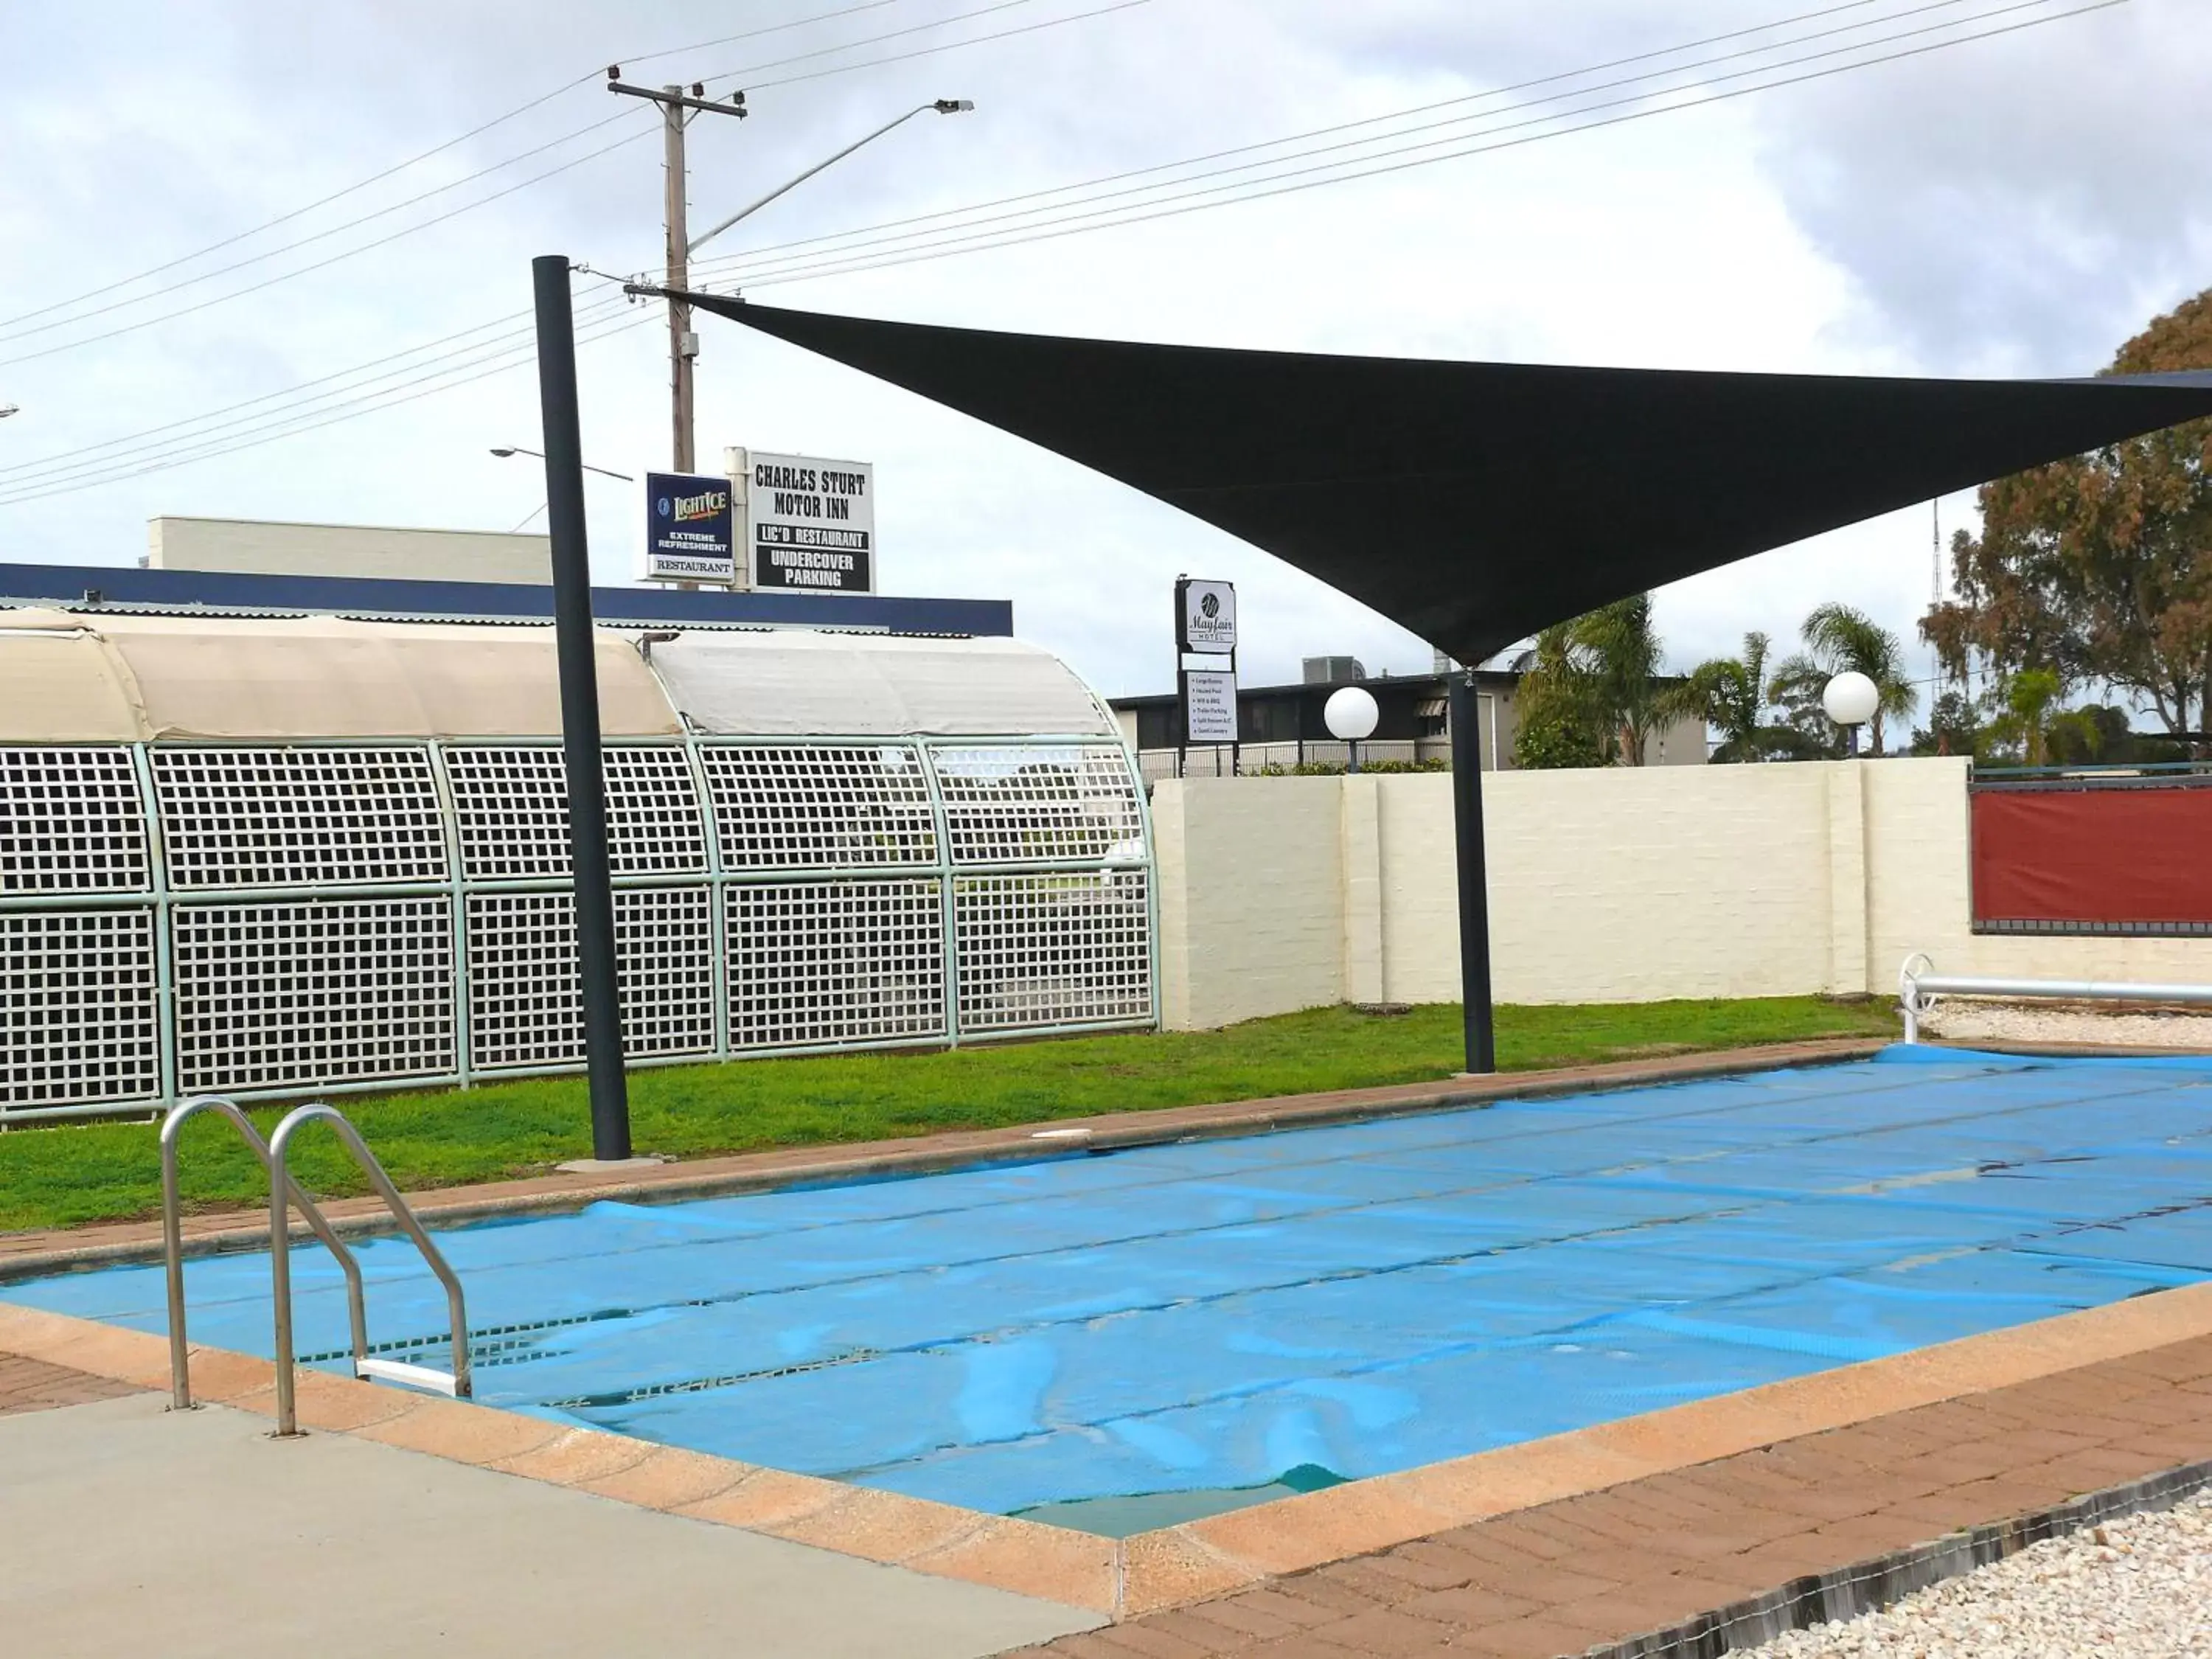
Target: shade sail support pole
[(576, 642), (1474, 877)]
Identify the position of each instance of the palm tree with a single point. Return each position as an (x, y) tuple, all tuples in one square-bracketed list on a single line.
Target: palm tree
[(1619, 652), (1729, 694), (1840, 639), (1590, 690)]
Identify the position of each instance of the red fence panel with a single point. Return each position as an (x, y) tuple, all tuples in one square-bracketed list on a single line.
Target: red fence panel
[(2050, 859)]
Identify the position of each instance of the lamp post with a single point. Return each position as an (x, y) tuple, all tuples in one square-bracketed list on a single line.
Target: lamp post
[(6, 410), (1850, 700), (1351, 714)]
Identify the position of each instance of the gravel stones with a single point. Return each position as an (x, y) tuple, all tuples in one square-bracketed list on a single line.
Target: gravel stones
[(2134, 1588), (1971, 1020)]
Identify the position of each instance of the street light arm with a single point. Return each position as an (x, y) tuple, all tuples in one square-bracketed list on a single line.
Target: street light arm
[(507, 450), (943, 107)]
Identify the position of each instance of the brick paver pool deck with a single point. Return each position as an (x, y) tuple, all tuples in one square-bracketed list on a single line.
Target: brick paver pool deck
[(34, 1385), (1667, 1556)]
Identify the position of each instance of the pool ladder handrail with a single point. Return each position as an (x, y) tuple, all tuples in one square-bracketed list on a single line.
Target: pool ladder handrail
[(285, 1192), (173, 1242)]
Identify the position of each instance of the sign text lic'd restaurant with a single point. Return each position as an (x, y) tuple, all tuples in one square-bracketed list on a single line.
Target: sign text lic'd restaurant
[(813, 524)]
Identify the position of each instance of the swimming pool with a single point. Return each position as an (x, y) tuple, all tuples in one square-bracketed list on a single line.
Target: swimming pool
[(1121, 1340)]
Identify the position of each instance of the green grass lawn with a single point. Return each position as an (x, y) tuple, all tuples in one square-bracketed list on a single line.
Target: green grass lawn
[(75, 1173)]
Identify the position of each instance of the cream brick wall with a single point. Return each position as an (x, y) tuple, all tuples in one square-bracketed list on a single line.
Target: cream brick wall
[(1634, 885), (1617, 885), (1251, 896)]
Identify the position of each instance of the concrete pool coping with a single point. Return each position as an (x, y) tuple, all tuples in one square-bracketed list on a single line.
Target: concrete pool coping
[(32, 1254), (1174, 1566)]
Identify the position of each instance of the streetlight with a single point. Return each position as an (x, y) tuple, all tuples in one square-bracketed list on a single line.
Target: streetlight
[(683, 343), (1851, 699), (6, 410), (1351, 714), (504, 452), (940, 106)]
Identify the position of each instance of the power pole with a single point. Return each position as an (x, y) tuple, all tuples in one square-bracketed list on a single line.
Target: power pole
[(683, 343)]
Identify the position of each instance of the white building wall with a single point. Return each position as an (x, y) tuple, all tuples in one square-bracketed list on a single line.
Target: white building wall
[(260, 547), (1611, 885)]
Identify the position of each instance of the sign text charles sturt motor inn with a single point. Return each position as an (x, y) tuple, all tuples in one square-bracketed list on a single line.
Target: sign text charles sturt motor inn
[(812, 524)]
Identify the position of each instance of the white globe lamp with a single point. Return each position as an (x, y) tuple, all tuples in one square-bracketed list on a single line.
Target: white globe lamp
[(1850, 700), (1351, 715)]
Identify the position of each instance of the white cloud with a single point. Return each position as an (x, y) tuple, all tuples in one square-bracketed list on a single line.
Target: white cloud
[(2020, 205)]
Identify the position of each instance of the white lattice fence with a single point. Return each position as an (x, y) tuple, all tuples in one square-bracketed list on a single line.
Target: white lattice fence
[(525, 1004), (369, 915)]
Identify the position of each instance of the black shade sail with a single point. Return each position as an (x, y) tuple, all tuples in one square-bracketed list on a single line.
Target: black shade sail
[(1474, 503)]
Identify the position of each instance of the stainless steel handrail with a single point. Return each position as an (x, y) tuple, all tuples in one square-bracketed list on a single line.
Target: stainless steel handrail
[(173, 1237), (280, 1252)]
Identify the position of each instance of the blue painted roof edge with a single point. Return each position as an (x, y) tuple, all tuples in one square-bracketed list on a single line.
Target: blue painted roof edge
[(68, 584)]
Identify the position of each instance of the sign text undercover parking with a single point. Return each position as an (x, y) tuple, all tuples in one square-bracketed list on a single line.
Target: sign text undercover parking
[(811, 524)]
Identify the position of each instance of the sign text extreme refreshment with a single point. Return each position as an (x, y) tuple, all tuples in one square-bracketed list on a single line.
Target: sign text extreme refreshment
[(689, 528)]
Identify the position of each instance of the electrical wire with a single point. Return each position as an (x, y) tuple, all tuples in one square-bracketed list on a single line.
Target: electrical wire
[(635, 115), (287, 276), (9, 333), (857, 257), (1396, 115), (99, 457), (48, 468), (421, 156), (521, 359), (751, 69), (844, 262), (41, 461), (754, 34)]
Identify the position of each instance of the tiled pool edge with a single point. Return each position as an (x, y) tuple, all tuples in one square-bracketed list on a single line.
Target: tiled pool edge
[(1150, 1571), (32, 1254)]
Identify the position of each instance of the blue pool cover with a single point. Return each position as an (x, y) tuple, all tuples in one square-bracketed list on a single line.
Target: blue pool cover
[(1211, 1317)]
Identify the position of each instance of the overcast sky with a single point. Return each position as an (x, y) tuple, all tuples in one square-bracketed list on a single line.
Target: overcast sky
[(2019, 204)]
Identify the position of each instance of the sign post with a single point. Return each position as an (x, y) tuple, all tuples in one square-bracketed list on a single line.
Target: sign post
[(1205, 627)]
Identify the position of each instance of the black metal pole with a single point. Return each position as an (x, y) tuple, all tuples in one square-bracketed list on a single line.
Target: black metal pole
[(1473, 881), (577, 643)]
